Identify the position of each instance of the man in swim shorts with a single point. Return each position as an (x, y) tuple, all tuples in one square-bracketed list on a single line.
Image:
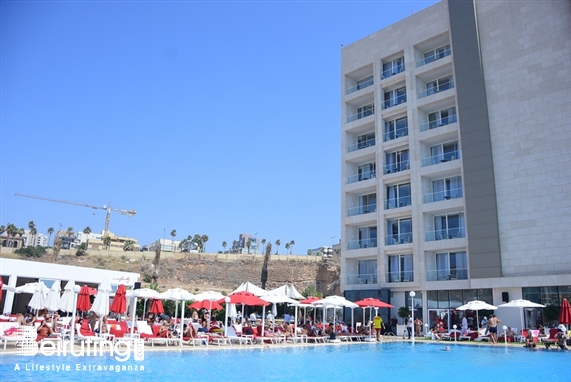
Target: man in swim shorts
[(493, 328)]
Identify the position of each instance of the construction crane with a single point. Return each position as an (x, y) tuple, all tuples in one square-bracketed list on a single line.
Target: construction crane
[(106, 208)]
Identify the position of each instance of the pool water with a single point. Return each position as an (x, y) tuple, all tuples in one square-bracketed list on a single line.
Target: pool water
[(355, 362)]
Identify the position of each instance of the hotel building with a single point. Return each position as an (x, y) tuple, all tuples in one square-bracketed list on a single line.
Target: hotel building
[(456, 158)]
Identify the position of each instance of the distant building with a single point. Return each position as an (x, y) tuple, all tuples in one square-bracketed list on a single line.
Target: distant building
[(243, 244), (37, 240), (321, 251), (96, 242), (167, 245)]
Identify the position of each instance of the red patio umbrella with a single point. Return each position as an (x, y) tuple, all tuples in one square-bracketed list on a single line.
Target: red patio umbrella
[(1, 285), (205, 304), (372, 303), (157, 307), (119, 304), (309, 300), (83, 301), (245, 298), (565, 312)]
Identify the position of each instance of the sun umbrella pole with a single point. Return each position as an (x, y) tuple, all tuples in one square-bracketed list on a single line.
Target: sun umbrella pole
[(263, 320), (226, 320), (296, 324), (181, 321)]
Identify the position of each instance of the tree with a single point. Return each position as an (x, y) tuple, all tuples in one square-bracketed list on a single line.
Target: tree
[(107, 241), (278, 243), (87, 231), (173, 234), (81, 249), (69, 233), (287, 247), (204, 239), (264, 277), (224, 244), (311, 290), (403, 312), (33, 232), (309, 253), (129, 245), (234, 246), (248, 245), (56, 248), (263, 245), (156, 265), (50, 232), (291, 244), (31, 251), (11, 231)]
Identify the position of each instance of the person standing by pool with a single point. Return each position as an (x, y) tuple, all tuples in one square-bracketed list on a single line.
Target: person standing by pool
[(378, 325), (493, 328), (409, 326), (394, 323), (464, 331)]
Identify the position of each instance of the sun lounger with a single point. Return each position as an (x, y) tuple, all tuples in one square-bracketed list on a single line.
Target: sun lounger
[(240, 339), (11, 332), (146, 333)]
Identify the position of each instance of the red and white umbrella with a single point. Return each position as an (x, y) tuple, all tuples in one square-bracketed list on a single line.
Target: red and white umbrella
[(119, 304), (565, 312), (83, 300)]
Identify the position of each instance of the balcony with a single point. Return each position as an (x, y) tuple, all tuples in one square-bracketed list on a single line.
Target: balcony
[(401, 238), (362, 210), (442, 158), (436, 55), (438, 87), (361, 85), (398, 133), (397, 203), (394, 101), (360, 177), (400, 277), (445, 234), (361, 145), (362, 279), (364, 243), (447, 274), (361, 114), (392, 71), (438, 196), (397, 167), (439, 123)]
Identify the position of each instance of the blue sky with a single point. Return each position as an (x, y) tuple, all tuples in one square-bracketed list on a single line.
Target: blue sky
[(211, 118)]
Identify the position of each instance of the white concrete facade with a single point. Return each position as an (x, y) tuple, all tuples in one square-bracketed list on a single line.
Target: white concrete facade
[(404, 187)]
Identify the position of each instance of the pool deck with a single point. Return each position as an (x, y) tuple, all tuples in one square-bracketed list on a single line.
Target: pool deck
[(12, 349)]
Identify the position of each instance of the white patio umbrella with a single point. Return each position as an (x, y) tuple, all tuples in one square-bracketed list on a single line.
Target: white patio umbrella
[(249, 287), (51, 302), (287, 290), (66, 300), (521, 305), (477, 305), (38, 297), (145, 293), (31, 288), (101, 303), (334, 301), (176, 295), (212, 296)]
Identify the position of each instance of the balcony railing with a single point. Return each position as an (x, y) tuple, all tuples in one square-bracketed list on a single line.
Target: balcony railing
[(362, 279), (361, 177), (437, 89), (393, 72), (361, 114), (438, 123), (362, 85), (433, 57), (446, 234), (453, 193), (397, 167), (401, 238), (361, 145), (442, 158), (364, 243), (397, 203), (447, 274), (400, 277), (394, 101), (402, 132), (370, 208)]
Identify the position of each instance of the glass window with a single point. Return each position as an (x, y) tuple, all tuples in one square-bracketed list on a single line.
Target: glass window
[(399, 231), (432, 299), (366, 171), (401, 268)]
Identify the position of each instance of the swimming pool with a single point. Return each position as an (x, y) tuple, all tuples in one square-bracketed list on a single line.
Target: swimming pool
[(355, 362)]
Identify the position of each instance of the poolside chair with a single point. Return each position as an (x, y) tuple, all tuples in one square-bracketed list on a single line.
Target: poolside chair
[(147, 333), (83, 333), (11, 332), (234, 337)]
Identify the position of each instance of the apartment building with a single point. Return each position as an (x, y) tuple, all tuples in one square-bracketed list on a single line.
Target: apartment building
[(456, 158)]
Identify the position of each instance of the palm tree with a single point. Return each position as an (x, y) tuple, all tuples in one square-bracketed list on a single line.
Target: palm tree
[(69, 232), (173, 234), (291, 244), (11, 231), (278, 243), (234, 246), (224, 244), (263, 245), (309, 253), (129, 245), (87, 231), (204, 239), (248, 245), (50, 232), (107, 241), (33, 232), (287, 247)]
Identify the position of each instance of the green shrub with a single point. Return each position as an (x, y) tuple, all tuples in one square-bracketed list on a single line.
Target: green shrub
[(31, 251)]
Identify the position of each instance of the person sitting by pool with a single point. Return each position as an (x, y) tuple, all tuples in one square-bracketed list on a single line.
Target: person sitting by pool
[(437, 332), (44, 331), (510, 334), (561, 337), (530, 340), (165, 331), (330, 331)]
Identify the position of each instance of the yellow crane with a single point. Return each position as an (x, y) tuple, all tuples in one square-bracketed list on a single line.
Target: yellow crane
[(106, 208)]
